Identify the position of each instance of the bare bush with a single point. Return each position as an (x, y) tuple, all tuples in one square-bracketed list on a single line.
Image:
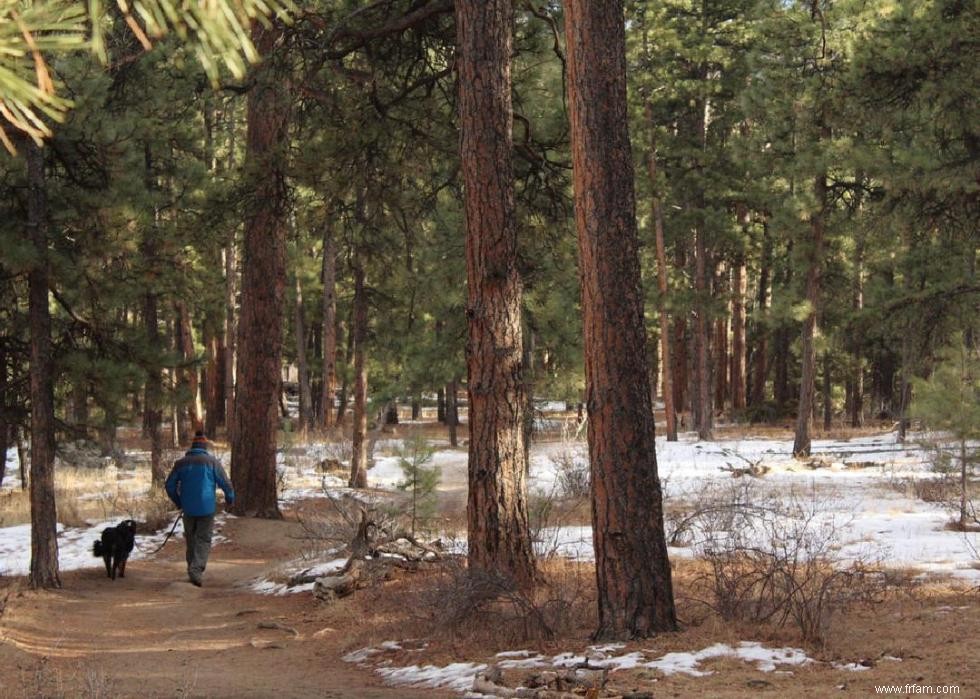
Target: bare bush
[(572, 477), (481, 603), (340, 450), (776, 559)]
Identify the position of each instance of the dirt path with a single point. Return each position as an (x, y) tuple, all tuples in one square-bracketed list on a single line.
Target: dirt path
[(153, 634)]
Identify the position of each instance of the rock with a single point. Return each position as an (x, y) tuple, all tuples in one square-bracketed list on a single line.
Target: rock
[(591, 678), (758, 684), (483, 684), (494, 674), (548, 678)]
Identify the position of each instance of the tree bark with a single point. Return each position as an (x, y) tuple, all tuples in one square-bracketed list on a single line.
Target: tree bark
[(253, 460), (760, 351), (498, 533), (701, 401), (305, 394), (635, 597), (22, 457), (721, 356), (359, 458), (452, 412), (189, 386), (153, 404), (855, 383), (739, 287), (808, 371), (328, 275), (44, 571), (665, 335), (828, 408), (679, 355), (441, 404), (230, 335)]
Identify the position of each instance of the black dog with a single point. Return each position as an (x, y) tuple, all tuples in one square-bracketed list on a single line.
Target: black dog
[(114, 548)]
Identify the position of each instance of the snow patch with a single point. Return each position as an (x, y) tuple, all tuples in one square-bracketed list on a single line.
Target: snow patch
[(75, 544)]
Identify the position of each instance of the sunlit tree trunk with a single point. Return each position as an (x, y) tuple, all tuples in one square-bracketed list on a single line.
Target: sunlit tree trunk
[(44, 571), (253, 461), (498, 534), (635, 596)]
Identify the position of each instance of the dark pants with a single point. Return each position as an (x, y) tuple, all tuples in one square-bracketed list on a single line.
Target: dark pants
[(197, 532)]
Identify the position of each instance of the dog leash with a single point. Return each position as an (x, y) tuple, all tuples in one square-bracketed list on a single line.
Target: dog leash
[(167, 538)]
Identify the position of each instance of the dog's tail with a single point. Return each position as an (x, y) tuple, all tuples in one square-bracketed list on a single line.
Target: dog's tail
[(97, 549)]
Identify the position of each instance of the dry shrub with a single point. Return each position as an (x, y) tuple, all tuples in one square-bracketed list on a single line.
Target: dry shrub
[(15, 508), (489, 609), (942, 488), (70, 513), (775, 559)]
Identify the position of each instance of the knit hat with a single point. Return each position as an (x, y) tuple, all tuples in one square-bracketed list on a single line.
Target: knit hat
[(200, 441)]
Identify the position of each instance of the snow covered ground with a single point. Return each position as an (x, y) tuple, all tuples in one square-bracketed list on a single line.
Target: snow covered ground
[(856, 494), (460, 676), (75, 544)]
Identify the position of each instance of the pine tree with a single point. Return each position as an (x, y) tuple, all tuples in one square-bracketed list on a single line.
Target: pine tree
[(635, 595), (421, 481), (949, 402)]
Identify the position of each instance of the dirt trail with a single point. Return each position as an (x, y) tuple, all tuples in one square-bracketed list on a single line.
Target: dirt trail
[(153, 634)]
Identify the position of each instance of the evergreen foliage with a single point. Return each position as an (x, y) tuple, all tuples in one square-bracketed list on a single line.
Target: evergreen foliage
[(421, 482)]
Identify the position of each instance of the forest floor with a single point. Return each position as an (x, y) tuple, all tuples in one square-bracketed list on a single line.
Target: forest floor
[(153, 634)]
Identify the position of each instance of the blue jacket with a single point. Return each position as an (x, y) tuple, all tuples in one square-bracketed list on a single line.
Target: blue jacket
[(192, 481)]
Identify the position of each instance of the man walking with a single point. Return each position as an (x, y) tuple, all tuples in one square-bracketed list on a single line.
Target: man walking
[(191, 485)]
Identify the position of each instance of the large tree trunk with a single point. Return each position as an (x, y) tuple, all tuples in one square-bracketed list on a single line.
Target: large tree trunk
[(305, 394), (44, 517), (328, 275), (665, 335), (808, 371), (498, 534), (635, 596), (359, 458), (253, 460)]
